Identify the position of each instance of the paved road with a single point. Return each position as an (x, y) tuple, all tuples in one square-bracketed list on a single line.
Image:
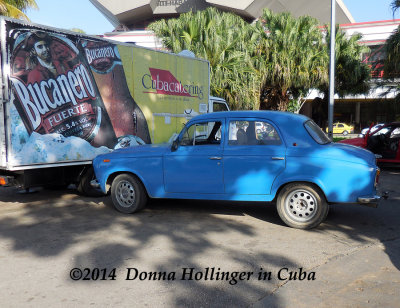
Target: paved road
[(354, 257)]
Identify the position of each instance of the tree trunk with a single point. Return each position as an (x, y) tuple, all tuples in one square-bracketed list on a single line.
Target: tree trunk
[(273, 99)]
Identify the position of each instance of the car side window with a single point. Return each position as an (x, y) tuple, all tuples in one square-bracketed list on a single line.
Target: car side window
[(207, 133), (252, 133), (340, 125)]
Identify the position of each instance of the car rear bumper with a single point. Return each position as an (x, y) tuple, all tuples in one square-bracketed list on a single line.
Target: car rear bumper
[(371, 201)]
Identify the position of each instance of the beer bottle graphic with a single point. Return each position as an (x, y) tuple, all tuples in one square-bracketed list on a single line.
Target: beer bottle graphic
[(55, 91), (126, 116)]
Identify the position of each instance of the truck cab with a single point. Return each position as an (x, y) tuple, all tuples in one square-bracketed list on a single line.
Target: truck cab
[(217, 104)]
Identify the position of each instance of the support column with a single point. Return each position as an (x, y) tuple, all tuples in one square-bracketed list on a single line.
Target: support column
[(358, 115), (358, 112)]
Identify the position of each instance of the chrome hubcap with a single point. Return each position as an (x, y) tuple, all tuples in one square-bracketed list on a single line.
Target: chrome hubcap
[(125, 194), (301, 205)]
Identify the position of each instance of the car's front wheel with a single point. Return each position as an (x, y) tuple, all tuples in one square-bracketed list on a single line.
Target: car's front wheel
[(128, 194), (302, 205)]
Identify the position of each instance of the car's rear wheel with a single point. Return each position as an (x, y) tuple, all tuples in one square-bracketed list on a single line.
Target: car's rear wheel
[(128, 194), (345, 133), (302, 205)]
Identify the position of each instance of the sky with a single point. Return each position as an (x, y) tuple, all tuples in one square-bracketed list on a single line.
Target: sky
[(83, 15), (70, 14)]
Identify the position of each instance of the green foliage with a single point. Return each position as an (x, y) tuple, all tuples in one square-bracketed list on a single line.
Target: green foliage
[(337, 139), (351, 75), (395, 5), (78, 30), (227, 42), (16, 8), (294, 58), (270, 64), (391, 68), (391, 64)]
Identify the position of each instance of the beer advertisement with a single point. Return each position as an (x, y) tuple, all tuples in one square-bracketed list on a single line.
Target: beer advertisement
[(74, 97)]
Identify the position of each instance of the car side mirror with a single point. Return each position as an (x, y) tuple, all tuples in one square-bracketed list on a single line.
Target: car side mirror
[(174, 145)]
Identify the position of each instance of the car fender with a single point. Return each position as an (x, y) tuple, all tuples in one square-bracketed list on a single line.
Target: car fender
[(147, 169), (354, 179), (283, 180)]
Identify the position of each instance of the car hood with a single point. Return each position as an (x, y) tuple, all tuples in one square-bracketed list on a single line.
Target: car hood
[(148, 150)]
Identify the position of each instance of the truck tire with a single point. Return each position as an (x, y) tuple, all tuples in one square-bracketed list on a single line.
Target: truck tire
[(128, 194), (302, 206), (84, 186)]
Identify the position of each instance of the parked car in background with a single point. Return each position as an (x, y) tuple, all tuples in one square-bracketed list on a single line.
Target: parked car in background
[(384, 142), (371, 130), (220, 156), (260, 127), (342, 128)]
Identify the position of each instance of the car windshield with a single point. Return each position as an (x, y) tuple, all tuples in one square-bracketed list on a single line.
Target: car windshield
[(316, 132)]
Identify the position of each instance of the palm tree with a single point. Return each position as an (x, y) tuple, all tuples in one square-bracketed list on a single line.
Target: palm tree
[(391, 67), (352, 76), (294, 58), (395, 5), (16, 8), (227, 42), (392, 62)]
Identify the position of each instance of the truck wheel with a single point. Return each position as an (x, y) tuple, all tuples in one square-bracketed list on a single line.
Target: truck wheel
[(128, 194), (84, 186), (302, 206)]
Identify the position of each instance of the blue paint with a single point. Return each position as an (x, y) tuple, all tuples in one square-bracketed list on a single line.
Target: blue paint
[(226, 171)]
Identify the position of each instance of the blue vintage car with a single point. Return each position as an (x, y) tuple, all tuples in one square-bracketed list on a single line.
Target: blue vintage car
[(223, 156)]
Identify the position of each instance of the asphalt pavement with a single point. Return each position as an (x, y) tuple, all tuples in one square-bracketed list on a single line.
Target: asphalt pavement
[(60, 249)]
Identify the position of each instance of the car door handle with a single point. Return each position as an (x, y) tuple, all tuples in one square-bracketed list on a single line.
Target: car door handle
[(278, 158), (215, 158)]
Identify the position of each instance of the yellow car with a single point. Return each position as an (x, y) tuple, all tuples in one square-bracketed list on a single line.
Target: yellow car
[(342, 128)]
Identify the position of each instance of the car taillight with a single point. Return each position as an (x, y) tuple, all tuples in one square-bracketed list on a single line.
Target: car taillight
[(378, 172)]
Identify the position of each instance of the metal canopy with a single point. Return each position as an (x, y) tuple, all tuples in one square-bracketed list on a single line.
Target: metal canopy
[(134, 12)]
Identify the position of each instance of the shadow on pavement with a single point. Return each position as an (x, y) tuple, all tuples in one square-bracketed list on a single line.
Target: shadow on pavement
[(173, 234)]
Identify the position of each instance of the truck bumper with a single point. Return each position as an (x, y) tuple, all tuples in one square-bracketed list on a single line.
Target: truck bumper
[(6, 180)]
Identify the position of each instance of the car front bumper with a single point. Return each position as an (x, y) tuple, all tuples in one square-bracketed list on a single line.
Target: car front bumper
[(94, 183)]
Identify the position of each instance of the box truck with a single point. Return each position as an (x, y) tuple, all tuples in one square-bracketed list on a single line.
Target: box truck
[(66, 97)]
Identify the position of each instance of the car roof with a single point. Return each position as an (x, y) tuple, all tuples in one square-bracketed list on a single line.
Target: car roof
[(277, 116)]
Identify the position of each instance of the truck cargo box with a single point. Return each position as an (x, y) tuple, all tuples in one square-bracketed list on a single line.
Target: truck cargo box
[(67, 97)]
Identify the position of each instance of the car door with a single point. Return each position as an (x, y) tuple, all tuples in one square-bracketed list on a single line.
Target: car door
[(252, 160), (196, 166)]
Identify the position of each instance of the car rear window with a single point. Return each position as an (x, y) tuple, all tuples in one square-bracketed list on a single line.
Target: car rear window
[(316, 132)]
